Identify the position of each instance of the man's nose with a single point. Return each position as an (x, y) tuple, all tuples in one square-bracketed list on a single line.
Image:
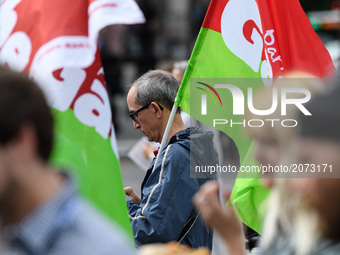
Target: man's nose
[(136, 125)]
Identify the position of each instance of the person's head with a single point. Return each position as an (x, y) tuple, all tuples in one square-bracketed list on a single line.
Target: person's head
[(150, 100), (26, 128), (272, 139), (179, 70), (287, 211), (319, 144)]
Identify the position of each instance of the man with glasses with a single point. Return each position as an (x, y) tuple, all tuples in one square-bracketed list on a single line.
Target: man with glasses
[(165, 212)]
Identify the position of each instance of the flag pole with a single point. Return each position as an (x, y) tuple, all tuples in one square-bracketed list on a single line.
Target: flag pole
[(166, 132)]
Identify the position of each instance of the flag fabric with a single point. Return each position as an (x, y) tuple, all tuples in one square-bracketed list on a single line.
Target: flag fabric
[(248, 39), (55, 43)]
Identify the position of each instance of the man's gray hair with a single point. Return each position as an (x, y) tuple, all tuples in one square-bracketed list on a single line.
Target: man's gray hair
[(158, 86)]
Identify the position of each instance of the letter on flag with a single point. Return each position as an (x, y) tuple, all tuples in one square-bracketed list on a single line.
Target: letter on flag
[(247, 39), (55, 43)]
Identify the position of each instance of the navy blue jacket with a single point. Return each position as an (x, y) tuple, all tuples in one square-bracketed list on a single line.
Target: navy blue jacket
[(166, 200)]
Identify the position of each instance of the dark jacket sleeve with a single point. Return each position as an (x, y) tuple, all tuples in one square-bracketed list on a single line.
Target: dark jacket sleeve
[(166, 204), (133, 207)]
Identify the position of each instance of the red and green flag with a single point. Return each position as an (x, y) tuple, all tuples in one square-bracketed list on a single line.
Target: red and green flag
[(55, 43), (247, 39)]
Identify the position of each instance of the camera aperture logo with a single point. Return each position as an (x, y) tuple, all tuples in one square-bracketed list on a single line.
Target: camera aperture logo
[(204, 97), (282, 97)]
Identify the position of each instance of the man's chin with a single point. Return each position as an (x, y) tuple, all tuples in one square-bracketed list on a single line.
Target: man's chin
[(148, 137)]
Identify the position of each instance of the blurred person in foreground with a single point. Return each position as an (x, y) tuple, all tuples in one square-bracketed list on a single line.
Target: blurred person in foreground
[(315, 194), (40, 211), (319, 144), (291, 226), (165, 211)]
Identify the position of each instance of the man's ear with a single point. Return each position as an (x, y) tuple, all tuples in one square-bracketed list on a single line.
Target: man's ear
[(156, 109)]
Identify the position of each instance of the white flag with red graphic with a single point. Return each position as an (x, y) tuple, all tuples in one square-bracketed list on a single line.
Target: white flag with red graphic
[(55, 43)]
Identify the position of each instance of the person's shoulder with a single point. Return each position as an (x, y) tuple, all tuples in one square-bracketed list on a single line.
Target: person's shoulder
[(327, 247), (180, 142), (92, 233)]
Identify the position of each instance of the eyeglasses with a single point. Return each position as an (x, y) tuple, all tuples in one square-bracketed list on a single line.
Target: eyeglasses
[(134, 115)]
